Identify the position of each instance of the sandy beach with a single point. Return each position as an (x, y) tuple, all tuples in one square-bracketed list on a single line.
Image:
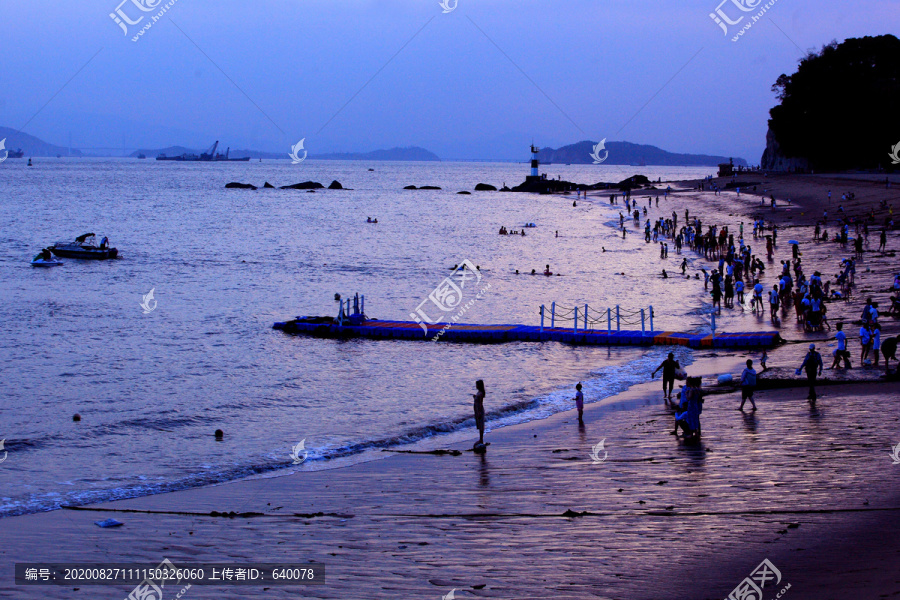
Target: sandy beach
[(806, 489), (812, 490)]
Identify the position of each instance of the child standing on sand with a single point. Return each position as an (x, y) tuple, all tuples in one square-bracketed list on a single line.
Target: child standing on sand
[(479, 410), (579, 403)]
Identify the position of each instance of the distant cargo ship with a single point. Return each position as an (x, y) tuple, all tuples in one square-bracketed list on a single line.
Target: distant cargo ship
[(16, 153), (209, 156)]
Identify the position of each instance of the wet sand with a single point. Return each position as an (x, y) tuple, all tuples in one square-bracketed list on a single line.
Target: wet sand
[(812, 490)]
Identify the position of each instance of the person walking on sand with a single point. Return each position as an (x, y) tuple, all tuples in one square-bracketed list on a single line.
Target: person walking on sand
[(762, 361), (479, 410), (841, 352), (579, 403), (748, 383), (812, 364), (865, 342), (668, 367), (757, 301), (717, 291), (773, 303)]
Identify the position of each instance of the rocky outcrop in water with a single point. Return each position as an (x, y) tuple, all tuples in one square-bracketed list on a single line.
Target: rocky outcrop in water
[(306, 185), (234, 185), (485, 187), (553, 186), (335, 185)]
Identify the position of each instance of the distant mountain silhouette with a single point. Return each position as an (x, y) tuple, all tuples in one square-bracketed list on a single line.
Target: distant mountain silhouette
[(626, 153), (413, 153), (170, 151), (32, 145)]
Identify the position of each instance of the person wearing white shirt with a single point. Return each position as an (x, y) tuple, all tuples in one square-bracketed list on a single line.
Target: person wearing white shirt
[(841, 352), (865, 342), (757, 294)]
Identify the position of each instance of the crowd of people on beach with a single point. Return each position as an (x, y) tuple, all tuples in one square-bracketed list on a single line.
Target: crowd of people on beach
[(737, 275), (739, 270)]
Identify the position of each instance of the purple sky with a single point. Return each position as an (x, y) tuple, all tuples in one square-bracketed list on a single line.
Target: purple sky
[(589, 70)]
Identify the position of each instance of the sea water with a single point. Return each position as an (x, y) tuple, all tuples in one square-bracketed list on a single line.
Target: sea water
[(151, 386)]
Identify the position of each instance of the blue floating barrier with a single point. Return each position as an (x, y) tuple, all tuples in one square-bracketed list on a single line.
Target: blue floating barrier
[(401, 330)]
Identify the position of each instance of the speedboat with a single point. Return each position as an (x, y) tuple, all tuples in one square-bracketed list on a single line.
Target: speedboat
[(45, 259), (85, 246)]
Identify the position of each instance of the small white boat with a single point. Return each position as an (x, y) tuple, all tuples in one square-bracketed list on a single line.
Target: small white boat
[(84, 247), (43, 262), (44, 258)]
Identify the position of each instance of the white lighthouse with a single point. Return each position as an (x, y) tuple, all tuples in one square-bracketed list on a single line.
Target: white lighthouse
[(535, 176)]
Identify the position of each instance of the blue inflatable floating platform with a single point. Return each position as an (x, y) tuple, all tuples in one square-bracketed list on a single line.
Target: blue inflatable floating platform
[(328, 327)]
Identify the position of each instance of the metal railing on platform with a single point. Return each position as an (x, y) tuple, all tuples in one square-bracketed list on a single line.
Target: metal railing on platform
[(590, 317)]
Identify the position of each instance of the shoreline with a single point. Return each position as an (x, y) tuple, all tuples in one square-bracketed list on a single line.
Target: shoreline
[(441, 519), (383, 513)]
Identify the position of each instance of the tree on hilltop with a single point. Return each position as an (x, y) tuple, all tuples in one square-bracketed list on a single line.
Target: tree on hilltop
[(841, 109)]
